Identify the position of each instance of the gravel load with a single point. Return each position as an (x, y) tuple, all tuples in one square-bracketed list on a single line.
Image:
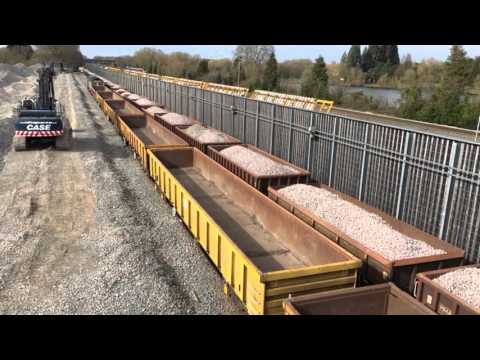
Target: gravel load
[(463, 283), (155, 110), (133, 97), (367, 228), (256, 163), (177, 119), (206, 135), (144, 102)]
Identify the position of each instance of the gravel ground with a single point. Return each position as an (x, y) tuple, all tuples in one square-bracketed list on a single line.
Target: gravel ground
[(367, 228), (464, 283), (16, 82), (206, 135), (177, 119), (256, 163), (104, 242)]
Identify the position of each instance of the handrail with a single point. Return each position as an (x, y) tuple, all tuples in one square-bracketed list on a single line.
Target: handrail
[(301, 102)]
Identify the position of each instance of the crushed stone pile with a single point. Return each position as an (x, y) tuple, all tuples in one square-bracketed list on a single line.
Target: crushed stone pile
[(463, 283), (255, 162), (177, 119), (155, 110), (207, 135), (144, 102), (133, 97), (367, 228)]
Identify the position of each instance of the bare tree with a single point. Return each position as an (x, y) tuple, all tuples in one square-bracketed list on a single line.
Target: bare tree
[(257, 54)]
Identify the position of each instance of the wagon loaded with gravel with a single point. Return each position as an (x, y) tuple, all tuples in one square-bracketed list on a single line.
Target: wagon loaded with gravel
[(454, 291), (381, 299), (390, 249), (202, 137), (263, 252), (258, 168)]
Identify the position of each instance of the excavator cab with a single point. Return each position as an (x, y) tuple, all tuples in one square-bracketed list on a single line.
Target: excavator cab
[(39, 119)]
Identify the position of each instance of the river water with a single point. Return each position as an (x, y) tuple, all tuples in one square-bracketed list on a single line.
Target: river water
[(390, 97)]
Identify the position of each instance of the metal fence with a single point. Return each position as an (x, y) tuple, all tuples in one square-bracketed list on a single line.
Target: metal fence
[(429, 181)]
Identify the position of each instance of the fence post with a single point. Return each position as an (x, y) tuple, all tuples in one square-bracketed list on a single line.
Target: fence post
[(310, 140), (364, 162), (332, 153), (203, 106), (188, 101), (290, 135), (272, 132), (444, 215), (256, 123), (401, 186), (221, 112), (244, 120)]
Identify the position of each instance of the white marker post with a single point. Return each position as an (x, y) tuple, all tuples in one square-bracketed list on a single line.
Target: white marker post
[(478, 128)]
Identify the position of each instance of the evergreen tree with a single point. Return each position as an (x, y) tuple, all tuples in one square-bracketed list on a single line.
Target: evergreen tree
[(393, 58), (202, 68), (270, 75), (411, 104), (449, 96), (344, 59), (315, 80), (354, 57), (367, 58)]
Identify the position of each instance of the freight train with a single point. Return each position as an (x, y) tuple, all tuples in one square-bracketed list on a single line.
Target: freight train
[(275, 255)]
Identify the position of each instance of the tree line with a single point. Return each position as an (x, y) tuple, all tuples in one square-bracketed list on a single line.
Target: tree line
[(449, 84), (252, 66), (69, 55), (433, 91)]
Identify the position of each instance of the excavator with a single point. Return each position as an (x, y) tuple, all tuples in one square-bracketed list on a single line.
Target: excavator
[(40, 120)]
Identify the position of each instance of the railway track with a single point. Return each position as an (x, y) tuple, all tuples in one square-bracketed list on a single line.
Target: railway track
[(430, 128)]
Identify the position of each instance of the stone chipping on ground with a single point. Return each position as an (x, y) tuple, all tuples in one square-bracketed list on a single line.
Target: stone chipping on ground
[(255, 162), (110, 245), (367, 228), (207, 135), (16, 82), (463, 283)]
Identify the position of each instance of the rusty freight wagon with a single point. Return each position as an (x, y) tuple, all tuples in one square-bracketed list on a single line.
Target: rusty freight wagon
[(382, 299), (260, 182), (172, 120), (143, 133), (376, 268), (182, 131), (263, 252), (121, 108), (440, 299)]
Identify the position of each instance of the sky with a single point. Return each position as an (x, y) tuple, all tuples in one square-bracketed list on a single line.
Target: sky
[(283, 52)]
